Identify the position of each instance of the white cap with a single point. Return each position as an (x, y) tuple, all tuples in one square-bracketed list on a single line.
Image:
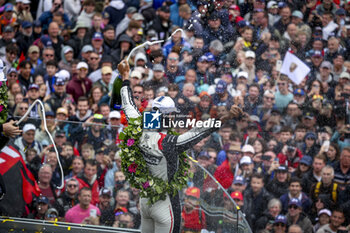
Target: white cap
[(2, 71), (82, 65), (114, 114), (140, 56), (28, 127), (243, 74), (165, 104), (63, 74), (136, 74), (245, 160), (26, 1), (254, 118), (271, 4), (345, 75), (248, 148), (325, 211), (249, 53)]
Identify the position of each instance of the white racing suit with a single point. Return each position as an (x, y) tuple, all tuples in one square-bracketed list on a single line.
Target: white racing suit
[(161, 152)]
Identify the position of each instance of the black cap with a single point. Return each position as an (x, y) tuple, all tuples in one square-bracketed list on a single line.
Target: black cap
[(252, 126), (165, 9), (214, 16), (60, 133)]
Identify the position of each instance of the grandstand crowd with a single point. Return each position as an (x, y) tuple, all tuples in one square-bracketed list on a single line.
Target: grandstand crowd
[(285, 162)]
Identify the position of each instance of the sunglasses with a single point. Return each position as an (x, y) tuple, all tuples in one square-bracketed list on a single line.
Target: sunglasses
[(137, 92), (234, 152), (172, 58), (23, 108), (281, 84), (280, 224), (293, 207), (309, 138), (93, 58), (269, 98), (72, 186), (83, 69), (48, 55), (52, 216)]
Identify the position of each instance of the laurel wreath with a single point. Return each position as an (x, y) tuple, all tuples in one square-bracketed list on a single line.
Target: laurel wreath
[(136, 170), (3, 102)]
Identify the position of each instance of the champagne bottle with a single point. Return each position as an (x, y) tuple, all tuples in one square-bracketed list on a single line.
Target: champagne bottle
[(116, 98)]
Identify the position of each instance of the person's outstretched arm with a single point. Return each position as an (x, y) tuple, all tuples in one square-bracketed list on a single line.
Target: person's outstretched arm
[(128, 103)]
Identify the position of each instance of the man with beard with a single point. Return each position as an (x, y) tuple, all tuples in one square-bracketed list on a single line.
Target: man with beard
[(25, 37), (109, 42), (162, 23), (192, 215), (77, 167), (56, 98), (172, 68), (204, 105), (158, 79), (80, 85), (222, 97)]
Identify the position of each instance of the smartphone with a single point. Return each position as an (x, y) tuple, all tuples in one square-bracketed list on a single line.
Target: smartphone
[(278, 65), (93, 213), (326, 145)]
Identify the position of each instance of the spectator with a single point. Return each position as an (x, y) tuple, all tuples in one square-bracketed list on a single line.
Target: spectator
[(27, 140), (314, 175), (47, 187), (337, 219), (80, 85), (82, 213), (88, 179), (296, 215), (274, 208), (68, 198), (255, 199), (341, 169)]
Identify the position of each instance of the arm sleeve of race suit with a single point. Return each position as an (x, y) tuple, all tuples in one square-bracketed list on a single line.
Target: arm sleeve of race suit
[(128, 103), (189, 139)]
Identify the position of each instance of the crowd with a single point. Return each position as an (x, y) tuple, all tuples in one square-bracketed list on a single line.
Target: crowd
[(285, 161)]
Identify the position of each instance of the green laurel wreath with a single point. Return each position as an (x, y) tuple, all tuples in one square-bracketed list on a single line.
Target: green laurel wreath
[(136, 171), (3, 102)]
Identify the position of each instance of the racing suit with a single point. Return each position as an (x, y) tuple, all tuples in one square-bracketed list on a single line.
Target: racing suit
[(161, 152)]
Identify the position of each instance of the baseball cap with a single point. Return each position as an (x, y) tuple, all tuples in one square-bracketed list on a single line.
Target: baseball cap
[(43, 199), (33, 86), (245, 160), (60, 133), (204, 94), (294, 201), (46, 40), (106, 70), (221, 86), (33, 48), (26, 1), (28, 127), (242, 24), (325, 211), (317, 53), (249, 53), (50, 113), (281, 219), (51, 213), (204, 154), (210, 57), (252, 126), (12, 70), (248, 148), (340, 11), (202, 58), (105, 15), (62, 111), (158, 67), (214, 16), (243, 74), (59, 81), (8, 28), (317, 97), (307, 160), (237, 195), (131, 9), (309, 115), (137, 16), (37, 23), (114, 114), (82, 65), (67, 49), (87, 48), (193, 192), (106, 192), (299, 91), (234, 7), (26, 24), (298, 14), (326, 64), (165, 9), (8, 7), (239, 180), (282, 4), (136, 74), (310, 135), (282, 169), (63, 74), (345, 75), (97, 36), (272, 4)]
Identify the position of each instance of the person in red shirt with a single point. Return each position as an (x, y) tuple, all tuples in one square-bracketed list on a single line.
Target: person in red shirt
[(226, 172), (290, 156), (89, 179), (192, 215)]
